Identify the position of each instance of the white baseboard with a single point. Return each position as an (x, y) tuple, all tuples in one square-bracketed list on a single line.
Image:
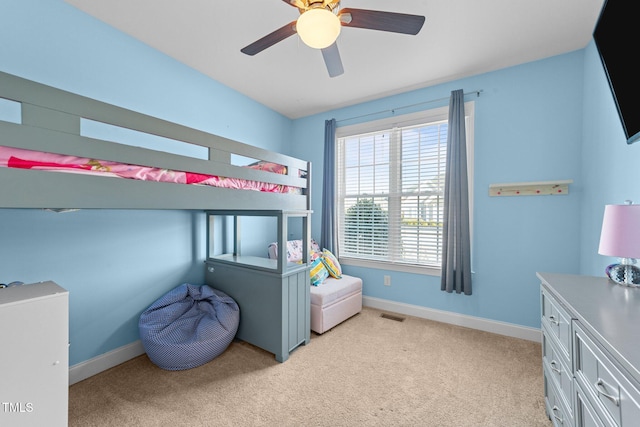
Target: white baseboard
[(105, 361), (120, 355), (494, 326)]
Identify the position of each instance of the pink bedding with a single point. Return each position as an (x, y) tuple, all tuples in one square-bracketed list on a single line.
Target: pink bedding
[(29, 159)]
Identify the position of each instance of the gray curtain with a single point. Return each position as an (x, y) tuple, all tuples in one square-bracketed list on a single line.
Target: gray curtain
[(456, 244), (328, 237)]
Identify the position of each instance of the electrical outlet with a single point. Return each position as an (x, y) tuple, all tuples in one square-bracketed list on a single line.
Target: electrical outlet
[(387, 280)]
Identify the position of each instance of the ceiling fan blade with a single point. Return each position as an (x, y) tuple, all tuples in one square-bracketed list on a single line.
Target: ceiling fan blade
[(332, 60), (270, 39), (295, 3), (382, 21)]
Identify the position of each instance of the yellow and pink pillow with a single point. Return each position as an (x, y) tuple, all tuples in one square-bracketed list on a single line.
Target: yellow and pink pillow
[(318, 272), (331, 263)]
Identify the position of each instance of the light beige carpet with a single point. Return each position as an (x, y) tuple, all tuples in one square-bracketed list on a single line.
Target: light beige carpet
[(367, 371)]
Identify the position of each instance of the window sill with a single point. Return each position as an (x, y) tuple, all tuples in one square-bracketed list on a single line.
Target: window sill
[(384, 266)]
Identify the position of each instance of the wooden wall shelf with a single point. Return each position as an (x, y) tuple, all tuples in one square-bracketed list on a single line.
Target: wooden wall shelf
[(540, 188)]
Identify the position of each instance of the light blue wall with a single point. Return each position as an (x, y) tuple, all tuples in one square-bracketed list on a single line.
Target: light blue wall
[(528, 124), (54, 43), (550, 119), (610, 167), (114, 263)]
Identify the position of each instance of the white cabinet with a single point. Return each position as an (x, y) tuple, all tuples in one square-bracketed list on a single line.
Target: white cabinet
[(34, 355)]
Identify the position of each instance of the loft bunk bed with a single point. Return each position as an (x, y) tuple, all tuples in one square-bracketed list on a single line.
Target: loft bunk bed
[(49, 160), (47, 140)]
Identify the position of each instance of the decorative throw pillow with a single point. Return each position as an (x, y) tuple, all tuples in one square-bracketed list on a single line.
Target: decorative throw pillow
[(331, 262), (294, 251), (315, 255), (315, 249), (318, 272)]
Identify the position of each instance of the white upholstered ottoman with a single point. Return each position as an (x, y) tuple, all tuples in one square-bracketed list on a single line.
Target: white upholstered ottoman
[(334, 301)]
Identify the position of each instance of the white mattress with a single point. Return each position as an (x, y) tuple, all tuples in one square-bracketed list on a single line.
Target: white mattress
[(333, 289)]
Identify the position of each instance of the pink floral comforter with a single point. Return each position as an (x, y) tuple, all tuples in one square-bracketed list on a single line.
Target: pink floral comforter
[(30, 159)]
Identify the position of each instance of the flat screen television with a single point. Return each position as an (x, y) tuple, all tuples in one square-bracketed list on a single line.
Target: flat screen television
[(618, 40)]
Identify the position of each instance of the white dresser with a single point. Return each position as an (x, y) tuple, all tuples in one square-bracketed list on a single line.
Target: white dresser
[(591, 351), (34, 355)]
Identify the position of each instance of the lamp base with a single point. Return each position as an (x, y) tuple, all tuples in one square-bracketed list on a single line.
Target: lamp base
[(624, 274)]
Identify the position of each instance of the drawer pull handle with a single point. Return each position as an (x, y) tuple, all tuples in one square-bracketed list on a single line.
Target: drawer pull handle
[(554, 369), (552, 319), (601, 388), (556, 410)]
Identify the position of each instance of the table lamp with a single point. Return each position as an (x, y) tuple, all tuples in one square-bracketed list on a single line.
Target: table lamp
[(620, 237)]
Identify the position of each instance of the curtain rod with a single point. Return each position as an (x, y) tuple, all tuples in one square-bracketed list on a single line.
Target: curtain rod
[(393, 110)]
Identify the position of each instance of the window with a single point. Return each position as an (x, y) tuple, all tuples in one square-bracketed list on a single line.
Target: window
[(390, 184)]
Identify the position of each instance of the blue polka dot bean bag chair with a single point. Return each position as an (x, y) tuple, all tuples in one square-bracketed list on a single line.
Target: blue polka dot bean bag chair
[(188, 327)]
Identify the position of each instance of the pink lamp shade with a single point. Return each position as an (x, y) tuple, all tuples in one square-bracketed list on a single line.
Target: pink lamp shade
[(620, 235)]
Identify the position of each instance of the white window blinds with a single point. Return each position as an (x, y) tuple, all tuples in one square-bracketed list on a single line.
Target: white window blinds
[(390, 184)]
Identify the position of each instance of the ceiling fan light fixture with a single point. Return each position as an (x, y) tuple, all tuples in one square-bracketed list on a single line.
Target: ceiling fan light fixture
[(318, 28)]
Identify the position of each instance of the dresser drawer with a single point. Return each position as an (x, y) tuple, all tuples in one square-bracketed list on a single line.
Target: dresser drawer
[(557, 409), (557, 321), (557, 366), (585, 414), (611, 394)]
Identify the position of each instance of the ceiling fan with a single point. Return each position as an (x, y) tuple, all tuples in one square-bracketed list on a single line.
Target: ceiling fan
[(319, 25)]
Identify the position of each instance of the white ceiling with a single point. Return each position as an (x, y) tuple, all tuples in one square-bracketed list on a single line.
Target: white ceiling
[(460, 38)]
